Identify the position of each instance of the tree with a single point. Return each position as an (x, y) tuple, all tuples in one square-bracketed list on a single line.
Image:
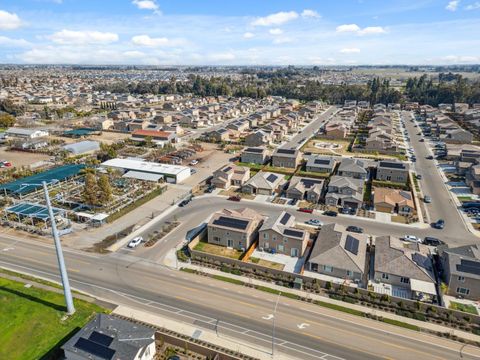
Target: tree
[(104, 190), (6, 120), (90, 189)]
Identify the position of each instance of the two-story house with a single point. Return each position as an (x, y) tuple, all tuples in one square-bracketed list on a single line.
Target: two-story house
[(321, 164), (287, 158), (353, 168), (305, 188), (255, 155), (345, 192), (395, 171), (230, 175)]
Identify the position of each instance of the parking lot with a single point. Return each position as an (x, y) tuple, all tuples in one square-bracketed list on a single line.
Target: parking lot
[(20, 158)]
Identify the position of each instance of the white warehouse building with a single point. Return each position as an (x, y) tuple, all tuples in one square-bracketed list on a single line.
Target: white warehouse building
[(145, 170)]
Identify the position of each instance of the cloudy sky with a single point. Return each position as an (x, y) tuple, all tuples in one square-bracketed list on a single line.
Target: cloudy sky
[(266, 32)]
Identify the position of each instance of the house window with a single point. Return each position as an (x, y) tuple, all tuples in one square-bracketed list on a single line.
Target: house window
[(349, 273), (461, 279), (385, 276), (463, 291), (327, 268), (285, 240), (405, 280), (280, 248), (265, 235), (313, 267), (216, 238)]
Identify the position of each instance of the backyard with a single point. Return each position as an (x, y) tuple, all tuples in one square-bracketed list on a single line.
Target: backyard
[(218, 250), (266, 263), (463, 307), (32, 320)]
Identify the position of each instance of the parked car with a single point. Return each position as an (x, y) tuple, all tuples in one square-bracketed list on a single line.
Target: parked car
[(193, 171), (194, 162), (412, 238), (330, 213), (429, 157), (419, 176), (355, 229), (306, 210), (314, 222), (135, 242), (183, 203), (293, 202), (439, 224), (234, 198), (427, 199), (432, 241)]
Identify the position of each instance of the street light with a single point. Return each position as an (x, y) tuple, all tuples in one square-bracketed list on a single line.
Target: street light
[(58, 247)]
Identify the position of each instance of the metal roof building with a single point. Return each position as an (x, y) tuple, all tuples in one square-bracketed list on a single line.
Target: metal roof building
[(171, 173), (82, 147)]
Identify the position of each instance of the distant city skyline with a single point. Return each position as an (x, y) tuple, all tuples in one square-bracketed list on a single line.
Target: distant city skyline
[(305, 32)]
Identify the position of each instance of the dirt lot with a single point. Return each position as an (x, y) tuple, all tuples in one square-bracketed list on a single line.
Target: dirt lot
[(20, 158), (109, 137)]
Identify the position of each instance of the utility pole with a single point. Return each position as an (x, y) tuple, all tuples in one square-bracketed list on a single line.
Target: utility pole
[(273, 327), (58, 247)]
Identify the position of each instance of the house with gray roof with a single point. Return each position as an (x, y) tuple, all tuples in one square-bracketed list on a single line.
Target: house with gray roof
[(108, 337), (405, 265), (278, 235), (259, 138), (461, 271), (353, 168), (392, 170), (339, 253), (345, 192), (255, 155), (305, 188), (264, 183), (287, 158), (321, 164), (82, 147)]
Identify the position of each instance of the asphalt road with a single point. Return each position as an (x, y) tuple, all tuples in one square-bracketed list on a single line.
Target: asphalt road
[(442, 206), (303, 331), (308, 131)]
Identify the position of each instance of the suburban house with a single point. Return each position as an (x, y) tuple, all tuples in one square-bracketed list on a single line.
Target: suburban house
[(472, 178), (381, 141), (407, 267), (219, 135), (461, 271), (287, 158), (234, 228), (345, 191), (305, 188), (230, 175), (395, 171), (157, 137), (353, 168), (339, 253), (336, 130), (264, 183), (259, 138), (321, 164), (458, 136), (255, 155), (278, 235), (22, 133), (104, 338), (393, 201)]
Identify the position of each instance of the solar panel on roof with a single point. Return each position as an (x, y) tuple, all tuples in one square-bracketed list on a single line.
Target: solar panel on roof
[(271, 178), (308, 183), (286, 151), (393, 165), (231, 223), (227, 169), (468, 266), (321, 161), (294, 233), (351, 244), (285, 218), (94, 349), (406, 195), (254, 150), (100, 338)]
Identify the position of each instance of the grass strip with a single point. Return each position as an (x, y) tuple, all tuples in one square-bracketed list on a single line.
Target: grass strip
[(401, 324)]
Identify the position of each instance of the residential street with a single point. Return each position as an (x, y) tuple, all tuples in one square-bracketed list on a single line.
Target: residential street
[(303, 331)]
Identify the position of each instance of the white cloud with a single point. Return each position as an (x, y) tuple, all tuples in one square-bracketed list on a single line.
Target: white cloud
[(71, 37), (279, 18), (6, 41), (276, 31), (455, 59), (474, 6), (147, 41), (348, 28), (452, 5), (248, 35), (307, 13), (9, 21), (133, 54), (354, 28), (147, 5), (222, 57), (282, 40), (350, 50)]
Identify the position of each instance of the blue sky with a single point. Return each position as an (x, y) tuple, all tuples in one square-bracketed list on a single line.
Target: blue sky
[(246, 32)]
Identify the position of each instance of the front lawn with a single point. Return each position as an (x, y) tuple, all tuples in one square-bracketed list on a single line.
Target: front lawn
[(218, 250), (463, 307), (31, 320)]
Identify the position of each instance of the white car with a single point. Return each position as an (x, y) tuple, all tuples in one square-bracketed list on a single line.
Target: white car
[(314, 222), (412, 238), (135, 242), (194, 162)]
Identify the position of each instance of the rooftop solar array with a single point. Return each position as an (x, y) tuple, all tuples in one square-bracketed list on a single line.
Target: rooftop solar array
[(271, 178), (351, 244), (285, 218), (286, 151), (469, 266), (93, 348), (100, 338), (31, 210), (294, 233), (406, 195), (231, 223), (227, 169), (321, 161), (31, 183), (392, 165), (308, 183), (254, 150)]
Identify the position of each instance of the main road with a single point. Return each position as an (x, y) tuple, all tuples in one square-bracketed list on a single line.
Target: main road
[(303, 330)]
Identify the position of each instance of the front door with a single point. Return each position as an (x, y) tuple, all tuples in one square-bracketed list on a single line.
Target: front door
[(294, 252), (230, 243)]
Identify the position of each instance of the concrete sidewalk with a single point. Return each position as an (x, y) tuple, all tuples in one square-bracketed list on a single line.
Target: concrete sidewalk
[(201, 334), (420, 324)]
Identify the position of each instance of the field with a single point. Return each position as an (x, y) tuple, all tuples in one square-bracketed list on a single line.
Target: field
[(31, 320), (20, 158), (218, 250)]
